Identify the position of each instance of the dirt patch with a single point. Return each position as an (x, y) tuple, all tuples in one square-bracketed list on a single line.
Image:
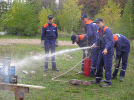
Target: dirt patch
[(32, 41)]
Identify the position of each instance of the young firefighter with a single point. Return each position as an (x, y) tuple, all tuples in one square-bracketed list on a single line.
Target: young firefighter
[(106, 42), (122, 45), (81, 40), (48, 38), (91, 31)]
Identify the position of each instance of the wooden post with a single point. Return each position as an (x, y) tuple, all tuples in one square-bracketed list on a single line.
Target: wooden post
[(18, 90), (18, 95)]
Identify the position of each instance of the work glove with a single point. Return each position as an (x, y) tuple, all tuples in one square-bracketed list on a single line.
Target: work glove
[(43, 43), (116, 63), (57, 43), (94, 46)]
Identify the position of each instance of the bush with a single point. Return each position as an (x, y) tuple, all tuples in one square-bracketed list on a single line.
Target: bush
[(127, 21), (21, 19)]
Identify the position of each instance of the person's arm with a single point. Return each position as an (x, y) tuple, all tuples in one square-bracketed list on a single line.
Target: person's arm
[(86, 42), (56, 33), (43, 33), (97, 40), (85, 38), (118, 49), (89, 31), (108, 39), (43, 37)]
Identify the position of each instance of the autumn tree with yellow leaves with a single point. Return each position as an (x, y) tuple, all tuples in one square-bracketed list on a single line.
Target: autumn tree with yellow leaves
[(43, 14), (69, 17), (111, 13)]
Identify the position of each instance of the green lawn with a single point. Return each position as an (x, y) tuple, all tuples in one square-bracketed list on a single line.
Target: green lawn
[(61, 38), (59, 90)]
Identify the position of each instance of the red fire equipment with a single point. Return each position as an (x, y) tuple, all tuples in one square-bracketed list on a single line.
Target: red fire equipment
[(87, 66)]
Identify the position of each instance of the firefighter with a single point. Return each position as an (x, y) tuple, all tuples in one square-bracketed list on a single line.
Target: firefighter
[(106, 42), (122, 45), (81, 40), (91, 31), (49, 37)]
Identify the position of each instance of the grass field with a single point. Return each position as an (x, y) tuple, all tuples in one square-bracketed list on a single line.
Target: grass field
[(61, 37), (59, 90)]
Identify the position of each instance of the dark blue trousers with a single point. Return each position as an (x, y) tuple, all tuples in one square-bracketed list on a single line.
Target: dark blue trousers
[(124, 57), (104, 60), (50, 44), (84, 55), (94, 58)]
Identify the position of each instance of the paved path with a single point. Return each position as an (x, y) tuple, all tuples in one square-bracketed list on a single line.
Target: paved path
[(32, 41)]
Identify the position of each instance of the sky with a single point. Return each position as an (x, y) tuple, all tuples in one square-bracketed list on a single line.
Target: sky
[(57, 1)]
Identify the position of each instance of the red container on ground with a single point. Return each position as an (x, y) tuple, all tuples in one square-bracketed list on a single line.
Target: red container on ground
[(87, 67)]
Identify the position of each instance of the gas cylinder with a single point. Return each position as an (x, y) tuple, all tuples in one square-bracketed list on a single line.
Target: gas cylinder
[(87, 67)]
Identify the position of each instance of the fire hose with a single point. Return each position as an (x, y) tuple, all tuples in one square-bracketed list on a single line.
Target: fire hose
[(70, 69), (66, 73)]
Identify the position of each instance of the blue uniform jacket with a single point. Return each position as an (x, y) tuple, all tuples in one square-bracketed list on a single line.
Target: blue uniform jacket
[(105, 39), (91, 31), (121, 43), (82, 40), (49, 31)]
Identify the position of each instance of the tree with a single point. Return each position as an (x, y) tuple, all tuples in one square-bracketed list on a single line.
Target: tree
[(43, 17), (111, 13), (127, 21), (121, 2), (36, 5), (3, 7), (21, 19), (50, 4), (70, 15), (1, 24), (60, 5), (91, 7)]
